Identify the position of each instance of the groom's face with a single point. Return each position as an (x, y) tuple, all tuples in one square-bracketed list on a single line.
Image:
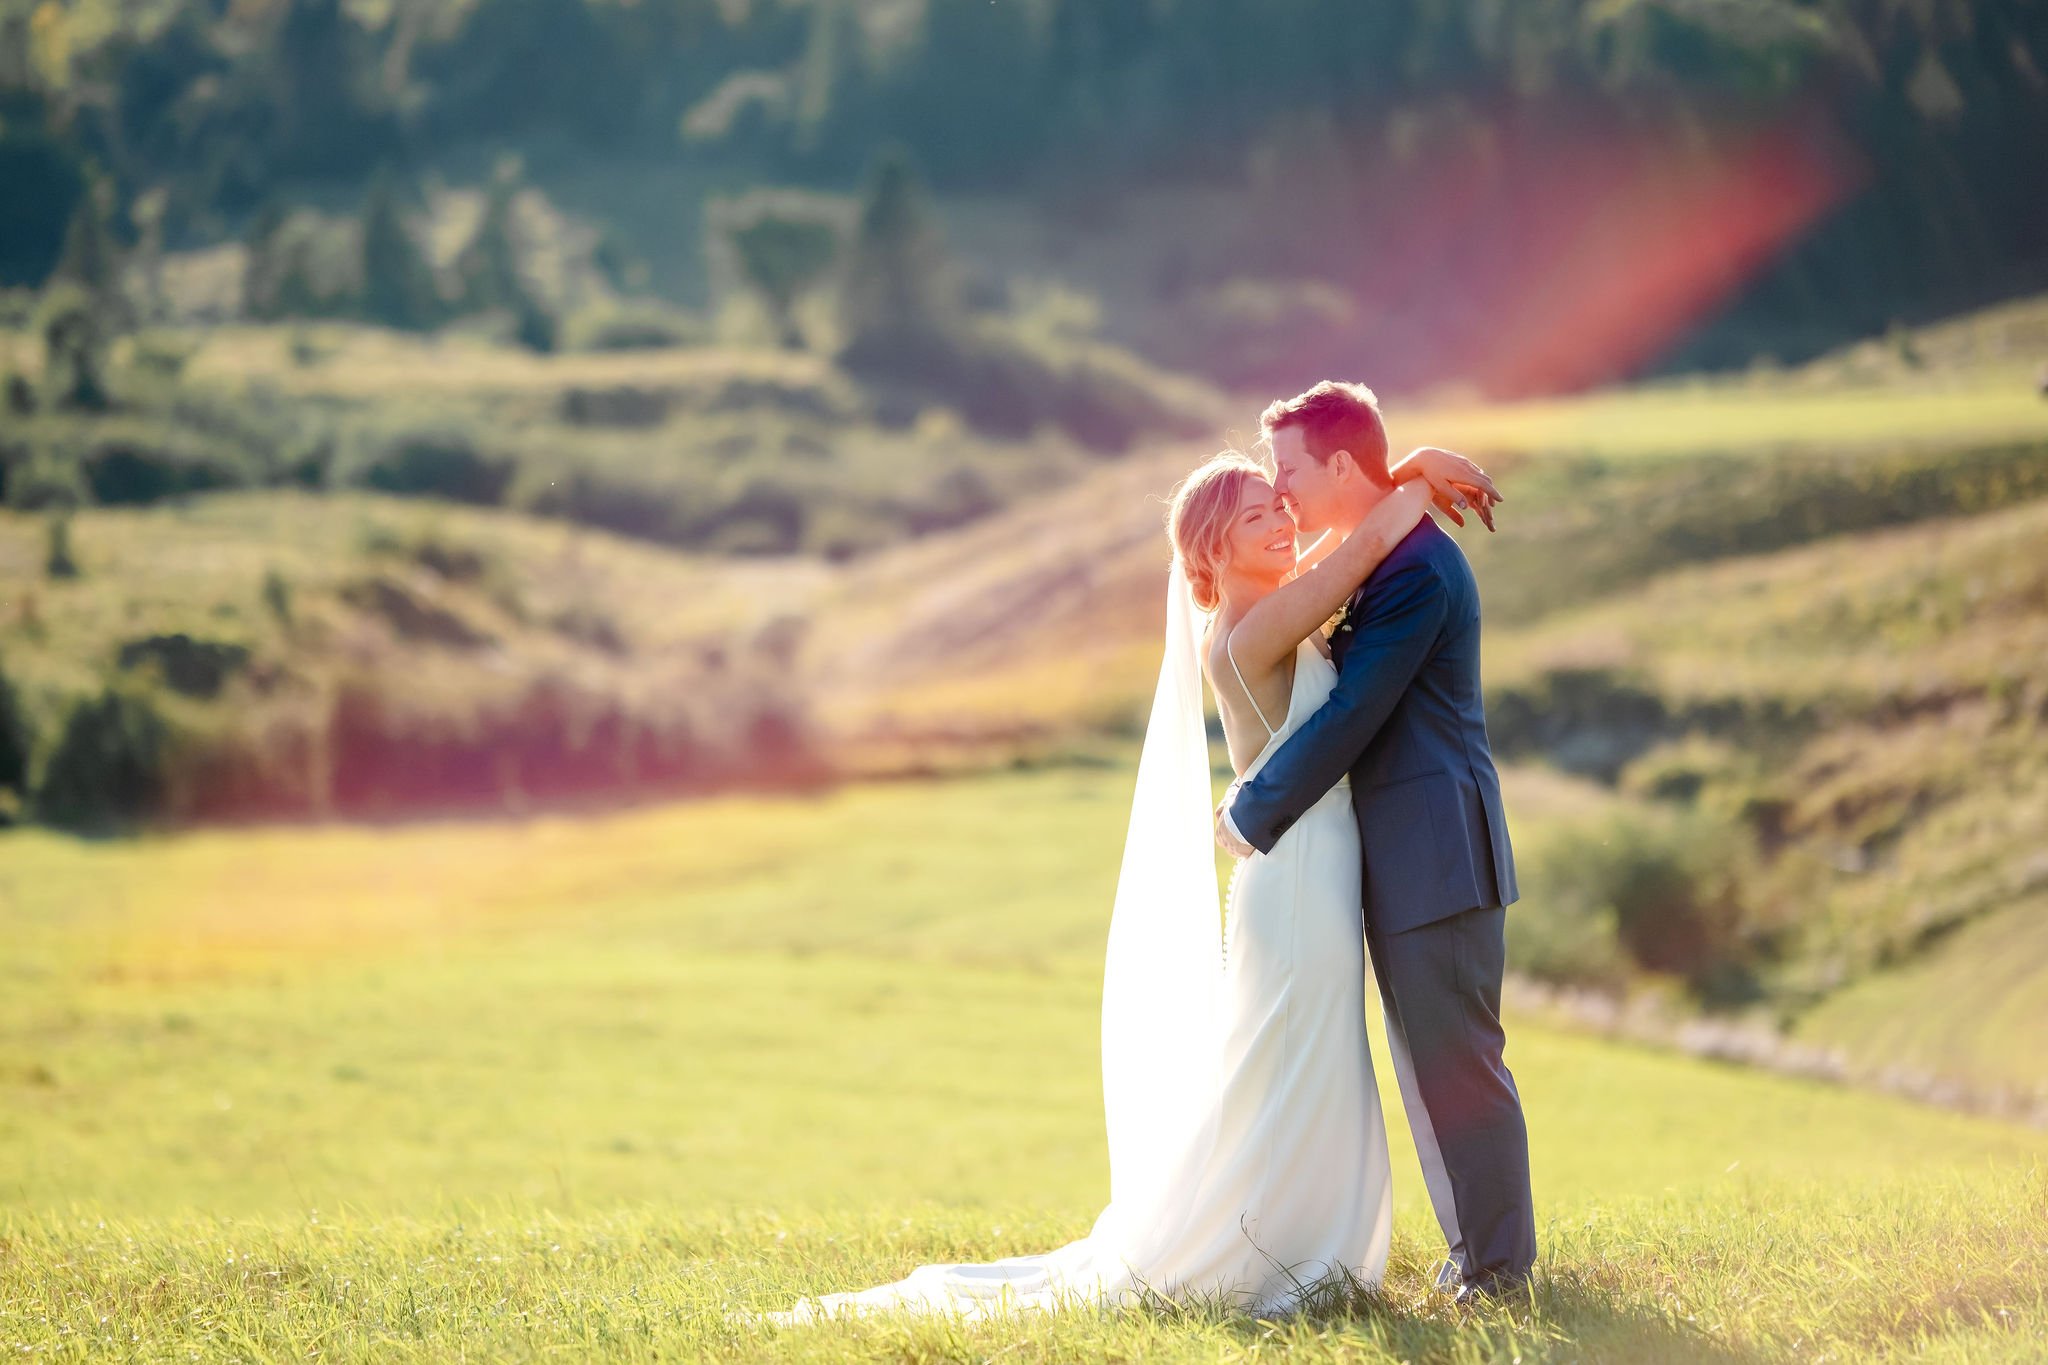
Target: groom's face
[(1305, 484)]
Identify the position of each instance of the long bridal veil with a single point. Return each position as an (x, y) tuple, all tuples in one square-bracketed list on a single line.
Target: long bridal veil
[(1161, 997), (1161, 1035)]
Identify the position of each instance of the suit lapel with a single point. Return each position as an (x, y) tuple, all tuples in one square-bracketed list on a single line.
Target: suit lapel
[(1340, 643)]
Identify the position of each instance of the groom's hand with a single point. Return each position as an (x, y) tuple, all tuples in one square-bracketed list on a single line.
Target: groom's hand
[(1226, 838)]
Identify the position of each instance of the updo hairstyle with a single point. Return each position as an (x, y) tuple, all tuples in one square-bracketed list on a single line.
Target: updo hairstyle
[(1198, 522)]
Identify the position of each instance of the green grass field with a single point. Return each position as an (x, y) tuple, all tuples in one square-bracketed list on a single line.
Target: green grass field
[(584, 1086)]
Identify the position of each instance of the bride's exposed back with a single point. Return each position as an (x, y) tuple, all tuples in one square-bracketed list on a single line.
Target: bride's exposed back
[(1247, 1152)]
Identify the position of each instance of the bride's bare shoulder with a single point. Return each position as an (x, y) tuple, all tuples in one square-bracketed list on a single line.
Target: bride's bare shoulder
[(1215, 652)]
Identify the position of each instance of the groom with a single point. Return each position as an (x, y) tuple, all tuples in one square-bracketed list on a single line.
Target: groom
[(1405, 722)]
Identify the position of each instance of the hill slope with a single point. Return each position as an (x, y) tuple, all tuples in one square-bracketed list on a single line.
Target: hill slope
[(584, 1084)]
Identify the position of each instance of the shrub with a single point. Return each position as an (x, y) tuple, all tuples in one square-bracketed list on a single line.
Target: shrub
[(764, 518), (195, 668), (109, 765), (1651, 889), (1585, 720), (628, 506), (781, 244), (592, 627), (277, 596), (620, 405), (46, 481), (411, 616), (58, 562), (448, 560), (440, 462), (127, 471), (74, 350), (636, 325), (16, 739)]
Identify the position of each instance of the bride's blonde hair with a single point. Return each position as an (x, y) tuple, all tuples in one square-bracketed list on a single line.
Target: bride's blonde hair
[(1198, 522)]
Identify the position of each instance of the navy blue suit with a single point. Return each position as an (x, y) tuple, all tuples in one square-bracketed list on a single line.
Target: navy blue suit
[(1406, 722)]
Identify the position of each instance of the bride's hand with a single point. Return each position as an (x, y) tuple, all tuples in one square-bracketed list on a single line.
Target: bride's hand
[(1456, 485)]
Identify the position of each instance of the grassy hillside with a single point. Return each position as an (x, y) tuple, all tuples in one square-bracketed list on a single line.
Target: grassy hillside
[(1786, 629), (1944, 1022), (282, 654), (585, 1084), (718, 449), (1839, 750)]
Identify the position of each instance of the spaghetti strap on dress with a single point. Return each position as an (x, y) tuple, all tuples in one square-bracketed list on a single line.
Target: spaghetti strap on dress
[(1229, 649)]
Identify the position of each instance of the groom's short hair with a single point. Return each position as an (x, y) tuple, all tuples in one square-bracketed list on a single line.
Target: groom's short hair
[(1334, 416)]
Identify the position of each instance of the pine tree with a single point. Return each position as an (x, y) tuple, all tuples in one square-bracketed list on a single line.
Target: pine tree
[(398, 285), (488, 265), (899, 286), (92, 259), (263, 264)]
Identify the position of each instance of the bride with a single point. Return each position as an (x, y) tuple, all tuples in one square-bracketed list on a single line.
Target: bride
[(1247, 1151)]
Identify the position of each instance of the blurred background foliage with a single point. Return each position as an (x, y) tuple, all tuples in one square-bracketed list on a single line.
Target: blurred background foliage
[(424, 406), (180, 123)]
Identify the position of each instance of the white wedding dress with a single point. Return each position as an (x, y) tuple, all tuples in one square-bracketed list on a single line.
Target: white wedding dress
[(1248, 1152)]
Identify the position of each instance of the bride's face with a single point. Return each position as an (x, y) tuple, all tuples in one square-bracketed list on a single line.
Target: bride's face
[(1261, 540)]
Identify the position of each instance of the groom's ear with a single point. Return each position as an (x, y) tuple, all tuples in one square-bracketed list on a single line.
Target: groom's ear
[(1340, 464)]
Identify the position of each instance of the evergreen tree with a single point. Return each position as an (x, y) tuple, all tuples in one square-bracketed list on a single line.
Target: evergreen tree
[(488, 265), (322, 81), (74, 349), (899, 288), (42, 174), (782, 245), (92, 259), (398, 284), (263, 264)]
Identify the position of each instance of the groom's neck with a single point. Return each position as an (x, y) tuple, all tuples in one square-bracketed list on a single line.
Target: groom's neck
[(1357, 504)]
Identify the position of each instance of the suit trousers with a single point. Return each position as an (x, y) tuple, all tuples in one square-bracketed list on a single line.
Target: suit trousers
[(1440, 985)]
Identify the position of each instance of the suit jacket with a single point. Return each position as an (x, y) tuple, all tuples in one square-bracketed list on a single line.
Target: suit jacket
[(1406, 722)]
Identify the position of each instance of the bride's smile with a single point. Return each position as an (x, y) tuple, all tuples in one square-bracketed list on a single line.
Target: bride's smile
[(1259, 551)]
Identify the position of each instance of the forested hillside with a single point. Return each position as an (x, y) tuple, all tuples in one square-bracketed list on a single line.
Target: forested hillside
[(1807, 170)]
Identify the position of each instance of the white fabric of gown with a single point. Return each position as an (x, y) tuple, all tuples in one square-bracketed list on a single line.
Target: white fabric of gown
[(1283, 1183)]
